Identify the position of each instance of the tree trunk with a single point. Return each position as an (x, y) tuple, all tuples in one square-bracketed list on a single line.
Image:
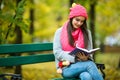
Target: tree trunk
[(119, 63), (92, 21), (32, 22), (71, 1), (18, 40)]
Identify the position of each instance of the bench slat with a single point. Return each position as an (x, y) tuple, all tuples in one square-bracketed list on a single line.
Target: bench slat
[(19, 48), (22, 60)]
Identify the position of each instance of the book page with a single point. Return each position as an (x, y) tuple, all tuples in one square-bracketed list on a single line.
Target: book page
[(88, 51), (92, 50)]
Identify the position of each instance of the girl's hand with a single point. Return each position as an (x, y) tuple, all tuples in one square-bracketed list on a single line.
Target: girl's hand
[(59, 70), (66, 63), (82, 56)]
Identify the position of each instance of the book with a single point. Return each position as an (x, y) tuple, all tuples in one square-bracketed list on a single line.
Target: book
[(85, 51)]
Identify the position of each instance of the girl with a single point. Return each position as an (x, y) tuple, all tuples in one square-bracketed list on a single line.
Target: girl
[(74, 32)]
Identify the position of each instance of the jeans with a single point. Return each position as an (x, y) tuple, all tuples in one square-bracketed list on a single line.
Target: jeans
[(85, 70)]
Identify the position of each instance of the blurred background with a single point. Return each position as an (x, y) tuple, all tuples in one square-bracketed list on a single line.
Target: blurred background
[(35, 21)]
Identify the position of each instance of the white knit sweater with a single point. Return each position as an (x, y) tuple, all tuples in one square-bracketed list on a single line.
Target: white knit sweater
[(61, 55)]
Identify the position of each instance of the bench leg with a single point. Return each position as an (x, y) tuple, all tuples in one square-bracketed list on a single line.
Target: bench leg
[(63, 79), (101, 67), (13, 76)]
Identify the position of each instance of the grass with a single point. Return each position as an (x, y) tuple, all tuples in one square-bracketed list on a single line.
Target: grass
[(42, 71), (111, 61), (46, 71)]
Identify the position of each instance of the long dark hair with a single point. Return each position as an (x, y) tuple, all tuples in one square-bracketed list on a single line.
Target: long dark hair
[(70, 28)]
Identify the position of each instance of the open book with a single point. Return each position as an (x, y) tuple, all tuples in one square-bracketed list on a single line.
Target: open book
[(85, 51)]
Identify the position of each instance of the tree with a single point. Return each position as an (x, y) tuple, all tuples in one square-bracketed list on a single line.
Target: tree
[(9, 17), (32, 20), (71, 1), (12, 23), (92, 20), (107, 21), (18, 40)]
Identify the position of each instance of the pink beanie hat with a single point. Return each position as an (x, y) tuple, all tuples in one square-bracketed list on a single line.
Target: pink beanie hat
[(77, 10)]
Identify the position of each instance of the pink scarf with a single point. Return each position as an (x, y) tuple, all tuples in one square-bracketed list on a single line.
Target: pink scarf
[(77, 36)]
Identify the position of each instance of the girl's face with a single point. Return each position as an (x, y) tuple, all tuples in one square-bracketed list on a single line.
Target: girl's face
[(78, 21)]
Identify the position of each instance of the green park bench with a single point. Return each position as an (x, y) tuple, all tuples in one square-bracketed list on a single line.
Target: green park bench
[(29, 59)]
